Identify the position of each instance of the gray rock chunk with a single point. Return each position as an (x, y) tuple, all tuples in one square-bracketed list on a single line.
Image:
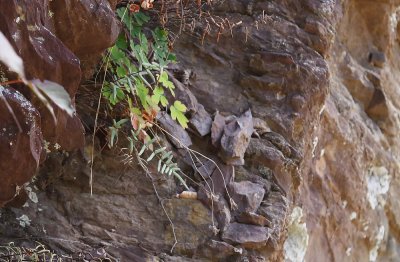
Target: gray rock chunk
[(236, 138), (201, 121), (217, 129), (173, 128), (247, 195), (219, 250), (249, 236)]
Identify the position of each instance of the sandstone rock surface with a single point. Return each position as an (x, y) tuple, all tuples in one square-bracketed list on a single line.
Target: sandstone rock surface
[(321, 81)]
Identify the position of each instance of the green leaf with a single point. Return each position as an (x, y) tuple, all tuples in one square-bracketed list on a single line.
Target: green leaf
[(131, 145), (56, 93), (116, 53), (121, 42), (164, 101), (166, 155), (121, 72), (151, 157), (113, 93), (163, 79), (183, 121), (159, 165), (141, 18), (114, 135), (174, 112), (162, 149), (121, 122), (142, 150), (179, 106), (163, 168), (142, 93), (144, 45), (160, 35), (136, 111), (123, 14), (158, 91), (157, 95), (171, 57), (177, 113)]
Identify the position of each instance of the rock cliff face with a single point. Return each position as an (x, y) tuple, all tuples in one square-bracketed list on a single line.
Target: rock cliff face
[(297, 105)]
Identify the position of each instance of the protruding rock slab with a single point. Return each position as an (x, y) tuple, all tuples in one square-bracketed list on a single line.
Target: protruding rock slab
[(236, 138), (201, 121), (247, 195), (181, 138), (248, 236), (253, 219), (219, 250), (217, 129), (232, 135)]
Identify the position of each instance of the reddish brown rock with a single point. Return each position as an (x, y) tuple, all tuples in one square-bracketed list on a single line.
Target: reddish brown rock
[(86, 28), (39, 48), (253, 219), (20, 143), (30, 27)]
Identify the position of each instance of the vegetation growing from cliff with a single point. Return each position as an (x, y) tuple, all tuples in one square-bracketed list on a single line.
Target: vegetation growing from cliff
[(135, 78)]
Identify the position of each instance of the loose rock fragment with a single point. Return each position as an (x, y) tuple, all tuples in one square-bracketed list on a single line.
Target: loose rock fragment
[(247, 195), (253, 219), (232, 134), (248, 236), (201, 121), (182, 138)]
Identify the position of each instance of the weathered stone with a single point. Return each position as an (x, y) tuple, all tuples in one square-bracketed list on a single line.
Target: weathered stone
[(218, 250), (183, 94), (336, 107), (29, 26), (236, 138), (201, 121), (242, 174), (260, 126), (218, 205), (221, 177), (20, 143), (181, 138), (377, 58), (263, 153), (45, 57), (248, 236), (77, 23), (253, 219), (217, 129), (247, 195), (275, 209), (197, 220)]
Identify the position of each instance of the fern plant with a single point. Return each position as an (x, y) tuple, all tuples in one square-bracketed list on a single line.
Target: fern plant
[(137, 79)]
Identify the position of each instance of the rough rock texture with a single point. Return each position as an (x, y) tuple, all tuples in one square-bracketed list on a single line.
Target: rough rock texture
[(31, 27), (350, 197), (21, 135), (320, 78)]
